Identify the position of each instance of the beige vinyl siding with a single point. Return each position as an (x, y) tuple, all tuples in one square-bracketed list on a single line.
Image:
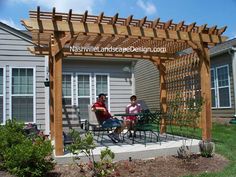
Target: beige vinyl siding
[(14, 53), (120, 83), (147, 86)]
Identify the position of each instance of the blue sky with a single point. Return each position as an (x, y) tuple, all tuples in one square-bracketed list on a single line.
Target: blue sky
[(211, 12)]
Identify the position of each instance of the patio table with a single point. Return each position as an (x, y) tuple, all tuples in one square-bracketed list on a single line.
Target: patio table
[(145, 121), (138, 115), (129, 114)]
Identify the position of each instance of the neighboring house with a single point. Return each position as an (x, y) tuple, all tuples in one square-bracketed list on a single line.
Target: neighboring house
[(23, 95), (223, 75), (223, 79)]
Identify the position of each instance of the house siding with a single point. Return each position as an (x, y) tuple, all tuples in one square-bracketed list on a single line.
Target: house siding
[(147, 86), (216, 61), (120, 83), (14, 53)]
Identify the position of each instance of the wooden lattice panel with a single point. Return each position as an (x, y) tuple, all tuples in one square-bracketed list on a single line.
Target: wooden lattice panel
[(183, 88)]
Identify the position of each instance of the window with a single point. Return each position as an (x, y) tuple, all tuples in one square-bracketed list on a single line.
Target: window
[(22, 98), (102, 86), (220, 87), (83, 93), (213, 90), (1, 96), (67, 89)]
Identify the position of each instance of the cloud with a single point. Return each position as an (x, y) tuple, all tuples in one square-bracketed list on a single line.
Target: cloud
[(77, 6), (10, 23), (148, 7)]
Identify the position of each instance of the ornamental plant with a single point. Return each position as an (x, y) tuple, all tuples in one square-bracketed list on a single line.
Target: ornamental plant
[(21, 155)]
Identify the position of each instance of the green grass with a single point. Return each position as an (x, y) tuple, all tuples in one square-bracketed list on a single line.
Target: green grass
[(224, 137)]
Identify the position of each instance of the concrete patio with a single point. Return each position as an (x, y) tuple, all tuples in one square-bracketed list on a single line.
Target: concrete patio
[(167, 145)]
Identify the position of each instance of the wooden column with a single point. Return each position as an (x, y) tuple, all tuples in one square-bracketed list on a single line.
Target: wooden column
[(205, 73), (57, 85), (163, 94), (51, 93)]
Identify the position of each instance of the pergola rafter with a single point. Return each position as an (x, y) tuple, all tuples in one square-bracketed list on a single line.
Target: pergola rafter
[(54, 33)]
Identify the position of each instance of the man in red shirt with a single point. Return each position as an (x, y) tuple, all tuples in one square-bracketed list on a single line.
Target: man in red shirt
[(106, 120)]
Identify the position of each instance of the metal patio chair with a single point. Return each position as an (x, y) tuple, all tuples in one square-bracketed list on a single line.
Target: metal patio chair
[(96, 126), (148, 122)]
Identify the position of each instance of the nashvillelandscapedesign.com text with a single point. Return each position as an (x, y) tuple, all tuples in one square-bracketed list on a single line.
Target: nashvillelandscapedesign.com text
[(130, 49)]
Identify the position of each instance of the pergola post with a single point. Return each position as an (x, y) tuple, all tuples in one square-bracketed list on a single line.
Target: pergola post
[(205, 74), (57, 88), (58, 135), (163, 94)]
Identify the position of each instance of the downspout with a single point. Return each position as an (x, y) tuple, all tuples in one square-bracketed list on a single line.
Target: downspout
[(133, 77), (232, 52), (47, 100)]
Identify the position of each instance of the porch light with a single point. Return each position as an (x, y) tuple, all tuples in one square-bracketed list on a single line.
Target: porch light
[(47, 82)]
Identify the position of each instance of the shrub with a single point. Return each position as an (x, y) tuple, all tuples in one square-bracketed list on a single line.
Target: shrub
[(11, 134), (21, 155), (85, 144), (206, 148), (105, 167)]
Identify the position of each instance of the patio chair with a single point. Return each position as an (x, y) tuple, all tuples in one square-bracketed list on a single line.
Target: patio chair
[(96, 126), (148, 122)]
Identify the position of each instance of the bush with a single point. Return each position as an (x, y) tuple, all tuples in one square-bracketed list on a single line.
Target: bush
[(85, 144), (21, 155), (206, 148), (11, 134)]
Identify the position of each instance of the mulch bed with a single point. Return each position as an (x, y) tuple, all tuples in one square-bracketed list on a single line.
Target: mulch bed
[(224, 121), (169, 166)]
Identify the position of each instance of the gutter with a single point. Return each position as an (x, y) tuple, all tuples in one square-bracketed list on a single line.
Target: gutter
[(232, 52), (220, 52)]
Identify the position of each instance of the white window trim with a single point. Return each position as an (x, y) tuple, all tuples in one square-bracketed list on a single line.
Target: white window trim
[(4, 96), (34, 91), (227, 66), (215, 82), (108, 87), (217, 88), (72, 93), (90, 88)]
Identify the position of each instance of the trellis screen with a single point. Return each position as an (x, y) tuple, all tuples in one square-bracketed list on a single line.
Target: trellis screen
[(184, 90)]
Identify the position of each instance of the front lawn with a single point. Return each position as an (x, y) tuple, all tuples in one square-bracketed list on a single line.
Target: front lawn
[(224, 137)]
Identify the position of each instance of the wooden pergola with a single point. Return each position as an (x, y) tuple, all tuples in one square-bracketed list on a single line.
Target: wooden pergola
[(53, 33)]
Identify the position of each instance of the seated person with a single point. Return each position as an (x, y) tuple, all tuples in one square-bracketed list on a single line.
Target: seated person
[(132, 108), (106, 120)]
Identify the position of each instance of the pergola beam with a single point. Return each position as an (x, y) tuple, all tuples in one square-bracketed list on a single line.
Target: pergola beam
[(59, 44), (155, 23), (78, 27), (100, 17), (114, 19)]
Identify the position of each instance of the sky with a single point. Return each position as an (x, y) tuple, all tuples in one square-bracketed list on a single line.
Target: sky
[(212, 12)]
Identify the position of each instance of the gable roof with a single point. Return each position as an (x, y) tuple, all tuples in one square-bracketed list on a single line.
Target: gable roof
[(223, 47), (19, 33)]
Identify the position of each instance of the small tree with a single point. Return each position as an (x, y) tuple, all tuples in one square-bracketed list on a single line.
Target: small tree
[(81, 144), (86, 146)]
